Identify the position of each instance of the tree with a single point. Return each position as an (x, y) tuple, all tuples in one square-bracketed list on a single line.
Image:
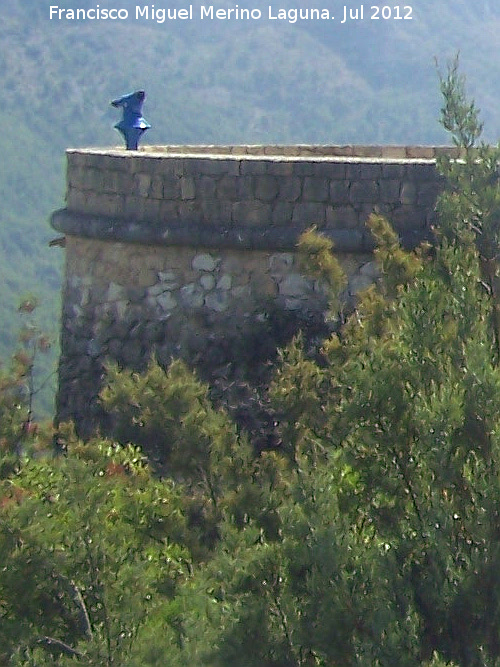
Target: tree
[(387, 548), (94, 545)]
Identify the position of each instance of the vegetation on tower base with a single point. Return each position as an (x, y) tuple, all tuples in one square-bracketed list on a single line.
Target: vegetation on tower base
[(369, 536)]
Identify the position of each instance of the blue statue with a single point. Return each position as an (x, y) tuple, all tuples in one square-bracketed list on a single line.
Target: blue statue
[(133, 125)]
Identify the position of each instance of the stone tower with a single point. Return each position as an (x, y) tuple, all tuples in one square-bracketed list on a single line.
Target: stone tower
[(184, 250)]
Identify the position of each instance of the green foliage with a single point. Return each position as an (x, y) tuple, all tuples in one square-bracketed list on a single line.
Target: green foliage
[(470, 209), (168, 413), (459, 116), (19, 386), (316, 258), (94, 546)]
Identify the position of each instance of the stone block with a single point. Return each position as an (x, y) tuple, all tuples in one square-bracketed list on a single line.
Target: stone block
[(408, 192), (156, 190), (369, 151), (121, 308), (171, 187), (390, 191), (364, 192), (75, 177), (94, 180), (266, 188), (74, 159), (290, 151), (240, 292), (341, 217), (315, 189), (346, 150), (142, 185), (188, 188), (117, 163), (426, 152), (218, 300), (115, 292), (251, 167), (393, 152), (366, 210), (89, 159), (303, 168), (453, 152), (142, 209), (421, 172), (108, 205), (254, 214), (139, 164), (76, 200), (216, 212), (263, 285), (166, 301), (135, 294), (393, 171), (363, 171), (279, 168), (205, 262), (308, 214), (339, 192), (190, 211), (246, 188), (282, 213), (212, 166), (228, 188), (167, 277), (152, 210), (168, 210), (192, 296), (290, 189), (207, 281), (225, 282), (167, 167), (205, 187), (155, 290), (331, 170), (145, 277)]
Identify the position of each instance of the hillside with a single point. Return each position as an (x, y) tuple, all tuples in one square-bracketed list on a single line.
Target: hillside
[(370, 81)]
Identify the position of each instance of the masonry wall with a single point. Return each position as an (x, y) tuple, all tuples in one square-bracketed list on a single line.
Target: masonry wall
[(186, 251)]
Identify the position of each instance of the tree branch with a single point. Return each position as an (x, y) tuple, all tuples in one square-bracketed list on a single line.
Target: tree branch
[(56, 647)]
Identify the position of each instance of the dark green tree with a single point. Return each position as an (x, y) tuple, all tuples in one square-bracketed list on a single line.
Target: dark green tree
[(93, 545), (388, 494)]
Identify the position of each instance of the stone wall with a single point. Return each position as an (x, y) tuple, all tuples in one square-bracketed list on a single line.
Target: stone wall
[(189, 251)]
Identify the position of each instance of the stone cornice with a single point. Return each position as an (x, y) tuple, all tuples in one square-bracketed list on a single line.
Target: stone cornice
[(195, 235)]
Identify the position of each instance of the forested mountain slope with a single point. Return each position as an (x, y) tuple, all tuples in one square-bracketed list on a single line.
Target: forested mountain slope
[(365, 81)]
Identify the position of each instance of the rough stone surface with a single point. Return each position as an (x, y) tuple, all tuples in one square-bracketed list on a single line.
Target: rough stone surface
[(168, 248), (204, 262)]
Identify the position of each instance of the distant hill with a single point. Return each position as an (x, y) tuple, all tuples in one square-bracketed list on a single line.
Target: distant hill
[(370, 81)]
